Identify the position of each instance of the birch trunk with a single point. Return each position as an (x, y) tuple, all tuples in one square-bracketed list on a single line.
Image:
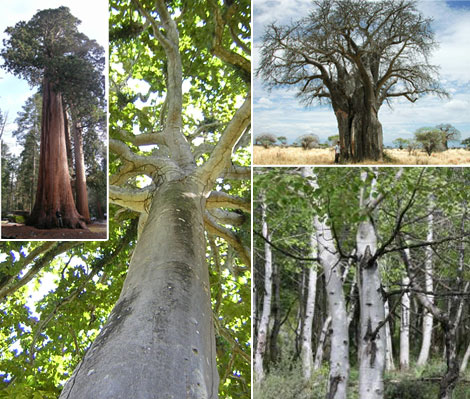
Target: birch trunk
[(330, 262), (428, 317), (321, 344), (159, 339), (306, 353), (389, 363), (266, 312), (372, 337), (466, 357), (405, 326)]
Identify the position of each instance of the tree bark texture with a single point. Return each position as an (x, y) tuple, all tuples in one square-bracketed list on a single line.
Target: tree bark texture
[(158, 341), (405, 326), (276, 315), (54, 193), (389, 363), (80, 177), (260, 351), (306, 353), (428, 283), (321, 343)]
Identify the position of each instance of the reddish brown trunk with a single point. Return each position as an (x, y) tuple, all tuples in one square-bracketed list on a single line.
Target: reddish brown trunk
[(80, 178), (99, 210), (54, 193)]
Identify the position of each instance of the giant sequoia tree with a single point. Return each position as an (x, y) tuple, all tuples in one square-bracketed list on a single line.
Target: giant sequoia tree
[(49, 51), (354, 55)]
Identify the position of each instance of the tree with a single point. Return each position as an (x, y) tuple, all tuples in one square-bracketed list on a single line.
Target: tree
[(165, 304), (49, 51), (332, 140), (308, 141), (466, 142), (449, 133), (265, 140), (282, 140), (430, 139), (401, 143), (355, 55)]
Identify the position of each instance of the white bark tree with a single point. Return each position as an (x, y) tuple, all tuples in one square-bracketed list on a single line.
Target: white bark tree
[(405, 326), (262, 337), (306, 352), (159, 340)]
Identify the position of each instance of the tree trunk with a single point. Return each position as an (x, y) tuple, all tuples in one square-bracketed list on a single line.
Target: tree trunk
[(159, 340), (258, 366), (372, 332), (360, 132), (54, 193), (466, 357), (428, 277), (80, 177), (306, 352), (450, 378), (321, 344), (276, 315), (405, 326), (389, 363)]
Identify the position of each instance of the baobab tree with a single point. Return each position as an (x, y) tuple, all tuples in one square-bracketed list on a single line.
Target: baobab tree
[(160, 337), (355, 55), (50, 52)]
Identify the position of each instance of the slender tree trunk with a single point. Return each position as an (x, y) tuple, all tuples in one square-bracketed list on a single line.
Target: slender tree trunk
[(389, 363), (466, 357), (405, 326), (321, 343), (258, 366), (159, 339), (80, 177), (54, 193), (276, 316), (306, 352), (428, 277), (372, 337)]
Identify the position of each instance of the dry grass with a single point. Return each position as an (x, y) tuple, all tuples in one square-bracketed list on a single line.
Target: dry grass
[(325, 156)]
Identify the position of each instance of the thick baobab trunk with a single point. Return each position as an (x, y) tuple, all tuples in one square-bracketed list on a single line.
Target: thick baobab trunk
[(159, 339), (80, 177), (339, 353), (306, 353), (405, 326), (360, 132), (260, 351), (54, 193), (428, 282)]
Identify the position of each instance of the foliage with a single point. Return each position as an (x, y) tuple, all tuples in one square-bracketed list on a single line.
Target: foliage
[(401, 143), (266, 139), (431, 139), (308, 141), (332, 140), (449, 132), (282, 140), (466, 142)]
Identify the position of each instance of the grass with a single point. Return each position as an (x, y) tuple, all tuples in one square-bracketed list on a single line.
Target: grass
[(325, 156)]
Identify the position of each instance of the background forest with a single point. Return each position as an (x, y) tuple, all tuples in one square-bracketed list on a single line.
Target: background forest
[(361, 283)]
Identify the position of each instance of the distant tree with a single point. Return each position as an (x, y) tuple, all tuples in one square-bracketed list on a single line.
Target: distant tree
[(265, 140), (431, 139), (308, 141), (332, 140), (282, 140), (50, 52), (466, 143), (401, 143), (355, 55), (450, 133)]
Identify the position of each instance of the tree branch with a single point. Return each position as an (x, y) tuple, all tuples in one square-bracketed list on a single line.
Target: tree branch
[(219, 199)]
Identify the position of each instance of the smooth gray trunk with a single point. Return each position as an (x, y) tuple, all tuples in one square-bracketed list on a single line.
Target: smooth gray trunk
[(159, 340), (405, 326), (266, 312), (306, 353), (389, 363)]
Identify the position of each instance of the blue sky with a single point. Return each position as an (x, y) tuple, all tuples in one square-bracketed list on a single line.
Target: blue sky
[(14, 91), (279, 112)]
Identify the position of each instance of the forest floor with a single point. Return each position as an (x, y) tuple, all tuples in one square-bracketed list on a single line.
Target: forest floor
[(325, 156), (15, 231)]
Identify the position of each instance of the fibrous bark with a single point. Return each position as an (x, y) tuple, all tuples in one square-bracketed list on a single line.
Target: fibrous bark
[(54, 193), (80, 177)]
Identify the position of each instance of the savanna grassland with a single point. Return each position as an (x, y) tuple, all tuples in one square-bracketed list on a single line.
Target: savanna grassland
[(325, 156)]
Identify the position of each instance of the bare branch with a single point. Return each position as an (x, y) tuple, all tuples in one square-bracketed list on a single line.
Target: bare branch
[(137, 200)]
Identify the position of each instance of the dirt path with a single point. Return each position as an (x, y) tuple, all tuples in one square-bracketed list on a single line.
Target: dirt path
[(17, 231)]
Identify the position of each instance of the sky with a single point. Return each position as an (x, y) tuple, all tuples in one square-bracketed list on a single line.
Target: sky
[(279, 112), (14, 91)]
